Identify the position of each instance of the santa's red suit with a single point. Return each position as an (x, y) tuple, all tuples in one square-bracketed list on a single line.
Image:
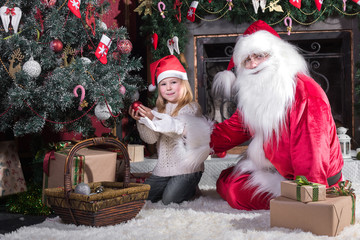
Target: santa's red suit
[(290, 135)]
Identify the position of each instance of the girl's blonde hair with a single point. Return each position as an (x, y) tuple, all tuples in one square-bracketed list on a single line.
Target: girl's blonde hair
[(185, 98)]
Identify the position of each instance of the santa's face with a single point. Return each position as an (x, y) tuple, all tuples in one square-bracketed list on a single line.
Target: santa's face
[(254, 60)]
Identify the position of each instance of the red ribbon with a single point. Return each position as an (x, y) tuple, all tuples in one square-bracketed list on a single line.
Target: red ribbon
[(90, 17), (177, 5), (39, 17), (48, 156), (10, 11)]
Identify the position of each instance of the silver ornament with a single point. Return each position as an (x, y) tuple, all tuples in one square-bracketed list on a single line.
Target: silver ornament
[(135, 96), (85, 60), (32, 68), (103, 25), (83, 188), (102, 112)]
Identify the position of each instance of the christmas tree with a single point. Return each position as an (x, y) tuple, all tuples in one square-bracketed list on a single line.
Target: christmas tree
[(60, 65)]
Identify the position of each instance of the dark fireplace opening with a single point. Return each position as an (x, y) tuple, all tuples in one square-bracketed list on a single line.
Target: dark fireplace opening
[(329, 56)]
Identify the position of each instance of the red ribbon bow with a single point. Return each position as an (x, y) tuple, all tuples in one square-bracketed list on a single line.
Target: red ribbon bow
[(10, 11), (177, 5)]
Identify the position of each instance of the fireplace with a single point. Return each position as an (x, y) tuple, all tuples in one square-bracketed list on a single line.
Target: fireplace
[(328, 48)]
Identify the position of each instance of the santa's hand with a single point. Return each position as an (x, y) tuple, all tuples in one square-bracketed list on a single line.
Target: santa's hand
[(163, 123)]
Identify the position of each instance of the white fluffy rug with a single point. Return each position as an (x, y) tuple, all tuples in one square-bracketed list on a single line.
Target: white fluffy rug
[(208, 218)]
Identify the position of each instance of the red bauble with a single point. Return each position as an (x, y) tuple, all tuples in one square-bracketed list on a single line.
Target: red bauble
[(135, 105), (116, 55), (56, 45), (124, 46), (221, 155)]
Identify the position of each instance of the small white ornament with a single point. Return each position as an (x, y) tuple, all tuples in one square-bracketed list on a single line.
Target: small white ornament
[(85, 60), (103, 25), (136, 96), (82, 188), (257, 3), (102, 112), (32, 68)]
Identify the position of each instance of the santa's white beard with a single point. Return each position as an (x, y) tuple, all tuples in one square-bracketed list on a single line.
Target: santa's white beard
[(264, 95)]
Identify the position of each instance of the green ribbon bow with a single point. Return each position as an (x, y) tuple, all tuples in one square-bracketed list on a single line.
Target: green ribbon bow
[(302, 181), (344, 189), (59, 145)]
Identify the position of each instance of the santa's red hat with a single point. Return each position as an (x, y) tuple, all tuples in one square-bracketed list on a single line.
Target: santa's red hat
[(168, 66), (256, 26)]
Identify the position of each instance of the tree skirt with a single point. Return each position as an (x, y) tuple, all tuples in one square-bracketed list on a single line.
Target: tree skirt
[(207, 217)]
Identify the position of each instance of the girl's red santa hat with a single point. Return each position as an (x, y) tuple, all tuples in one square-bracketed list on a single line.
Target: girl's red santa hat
[(166, 67), (223, 81)]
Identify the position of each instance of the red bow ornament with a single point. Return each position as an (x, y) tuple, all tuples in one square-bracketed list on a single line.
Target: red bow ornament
[(10, 11), (173, 44), (15, 14)]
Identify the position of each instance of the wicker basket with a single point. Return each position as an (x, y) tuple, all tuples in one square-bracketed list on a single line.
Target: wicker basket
[(119, 202)]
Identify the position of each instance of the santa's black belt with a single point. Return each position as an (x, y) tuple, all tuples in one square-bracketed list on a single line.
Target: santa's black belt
[(334, 179)]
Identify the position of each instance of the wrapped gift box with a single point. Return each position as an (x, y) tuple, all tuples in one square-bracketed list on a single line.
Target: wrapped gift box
[(328, 217), (99, 165), (304, 193), (136, 152), (11, 175)]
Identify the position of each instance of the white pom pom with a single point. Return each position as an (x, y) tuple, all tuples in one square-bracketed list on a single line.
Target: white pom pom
[(83, 188), (102, 112), (222, 84), (151, 88)]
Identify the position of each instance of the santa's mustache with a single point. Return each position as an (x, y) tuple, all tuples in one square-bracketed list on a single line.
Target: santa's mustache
[(258, 69)]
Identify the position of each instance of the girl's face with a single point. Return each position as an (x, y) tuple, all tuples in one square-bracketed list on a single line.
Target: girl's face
[(170, 89)]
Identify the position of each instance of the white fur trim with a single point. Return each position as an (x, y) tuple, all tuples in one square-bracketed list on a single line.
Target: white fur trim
[(222, 84), (172, 73), (151, 88), (266, 180), (196, 142)]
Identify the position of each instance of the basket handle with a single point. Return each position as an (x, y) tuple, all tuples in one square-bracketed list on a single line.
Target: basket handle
[(94, 142)]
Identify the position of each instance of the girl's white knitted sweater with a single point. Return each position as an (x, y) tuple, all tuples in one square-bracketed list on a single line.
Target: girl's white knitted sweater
[(184, 153)]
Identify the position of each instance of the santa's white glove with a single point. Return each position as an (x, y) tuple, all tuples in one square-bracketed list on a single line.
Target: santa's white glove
[(163, 123)]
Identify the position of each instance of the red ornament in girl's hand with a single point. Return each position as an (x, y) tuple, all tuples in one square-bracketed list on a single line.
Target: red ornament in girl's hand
[(221, 155), (135, 105)]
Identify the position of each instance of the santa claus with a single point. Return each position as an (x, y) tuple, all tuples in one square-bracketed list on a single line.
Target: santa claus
[(284, 113)]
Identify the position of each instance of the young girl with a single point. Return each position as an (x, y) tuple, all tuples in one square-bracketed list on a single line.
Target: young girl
[(181, 133)]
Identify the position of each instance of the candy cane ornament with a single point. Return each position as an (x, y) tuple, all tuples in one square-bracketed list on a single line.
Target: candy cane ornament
[(82, 95), (230, 4), (161, 7), (288, 25)]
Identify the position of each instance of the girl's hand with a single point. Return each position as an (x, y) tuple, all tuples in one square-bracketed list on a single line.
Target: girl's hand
[(145, 112), (133, 114)]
